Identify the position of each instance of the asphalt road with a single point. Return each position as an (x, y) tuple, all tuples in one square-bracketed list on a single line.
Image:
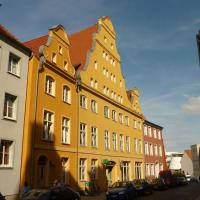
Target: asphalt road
[(188, 192)]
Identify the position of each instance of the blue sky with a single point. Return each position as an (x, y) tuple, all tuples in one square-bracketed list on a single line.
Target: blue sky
[(156, 40)]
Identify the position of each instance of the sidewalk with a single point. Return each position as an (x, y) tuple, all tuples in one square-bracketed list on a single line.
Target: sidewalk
[(101, 196)]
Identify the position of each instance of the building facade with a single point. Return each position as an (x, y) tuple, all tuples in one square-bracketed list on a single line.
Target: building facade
[(174, 161), (101, 122), (186, 163), (110, 144), (14, 57), (155, 160), (196, 160), (50, 132)]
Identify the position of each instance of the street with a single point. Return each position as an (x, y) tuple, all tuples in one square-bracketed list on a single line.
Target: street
[(188, 192)]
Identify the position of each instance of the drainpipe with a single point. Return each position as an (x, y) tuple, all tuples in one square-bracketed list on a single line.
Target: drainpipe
[(78, 89), (39, 70)]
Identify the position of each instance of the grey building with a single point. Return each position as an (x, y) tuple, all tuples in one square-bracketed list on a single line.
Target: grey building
[(196, 160), (186, 162), (14, 57)]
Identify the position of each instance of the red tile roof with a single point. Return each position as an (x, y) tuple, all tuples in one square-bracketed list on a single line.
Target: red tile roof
[(81, 43), (9, 35), (35, 44), (189, 153)]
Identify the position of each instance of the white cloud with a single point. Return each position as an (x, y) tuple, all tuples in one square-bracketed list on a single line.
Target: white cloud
[(192, 106)]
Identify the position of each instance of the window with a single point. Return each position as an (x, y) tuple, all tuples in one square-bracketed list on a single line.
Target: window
[(83, 134), (104, 71), (160, 150), (138, 170), (50, 86), (48, 126), (82, 170), (104, 54), (66, 94), (10, 106), (94, 106), (152, 170), (127, 143), (114, 137), (114, 115), (104, 89), (65, 130), (64, 174), (113, 63), (156, 149), (106, 140), (146, 148), (149, 130), (151, 149), (121, 142), (154, 133), (159, 135), (106, 111), (135, 123), (147, 170), (105, 39), (54, 57), (14, 64), (95, 65), (94, 136), (139, 146), (125, 171), (139, 125), (95, 84), (66, 65), (120, 118), (145, 130), (6, 153), (126, 119), (91, 82), (107, 74), (135, 145), (93, 169), (60, 49), (107, 91), (83, 101)]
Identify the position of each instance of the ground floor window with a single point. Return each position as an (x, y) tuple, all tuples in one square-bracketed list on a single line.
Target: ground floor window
[(152, 170), (147, 170), (82, 167), (64, 172), (138, 170), (125, 170), (93, 169), (6, 153)]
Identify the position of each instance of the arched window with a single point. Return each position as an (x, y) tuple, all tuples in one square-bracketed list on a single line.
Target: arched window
[(66, 94), (50, 86)]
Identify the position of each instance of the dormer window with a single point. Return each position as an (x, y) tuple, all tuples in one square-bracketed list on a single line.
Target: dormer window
[(60, 50), (54, 57), (95, 64)]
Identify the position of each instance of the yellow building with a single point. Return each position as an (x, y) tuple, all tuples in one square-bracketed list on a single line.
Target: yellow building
[(81, 124), (110, 118), (49, 146)]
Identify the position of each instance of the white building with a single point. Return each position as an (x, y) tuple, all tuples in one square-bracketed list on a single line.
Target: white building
[(186, 163), (196, 160), (173, 160), (14, 58)]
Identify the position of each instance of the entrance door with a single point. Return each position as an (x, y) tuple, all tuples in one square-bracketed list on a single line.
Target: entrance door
[(41, 172)]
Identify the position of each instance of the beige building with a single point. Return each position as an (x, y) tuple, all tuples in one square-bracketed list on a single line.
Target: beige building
[(196, 160)]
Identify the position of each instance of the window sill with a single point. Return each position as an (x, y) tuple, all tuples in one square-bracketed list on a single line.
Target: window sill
[(46, 140), (6, 167), (51, 95), (10, 119), (65, 143), (69, 103), (16, 75)]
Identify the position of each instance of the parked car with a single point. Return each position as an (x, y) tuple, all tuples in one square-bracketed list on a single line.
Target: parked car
[(142, 186), (168, 178), (55, 193), (188, 177), (158, 184), (181, 180), (121, 190)]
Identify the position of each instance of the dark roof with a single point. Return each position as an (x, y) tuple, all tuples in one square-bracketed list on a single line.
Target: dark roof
[(152, 124), (4, 32)]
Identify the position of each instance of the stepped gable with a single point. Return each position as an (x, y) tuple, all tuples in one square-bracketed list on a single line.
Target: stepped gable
[(81, 42)]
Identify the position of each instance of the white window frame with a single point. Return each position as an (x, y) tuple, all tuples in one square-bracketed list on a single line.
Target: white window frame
[(50, 85), (66, 130), (106, 140), (48, 126), (106, 112), (126, 120), (145, 130), (94, 136), (125, 169), (66, 94), (94, 167), (10, 106), (14, 64), (128, 143), (121, 142), (83, 101), (3, 143), (94, 106), (114, 138), (154, 133), (83, 134), (82, 169), (114, 115)]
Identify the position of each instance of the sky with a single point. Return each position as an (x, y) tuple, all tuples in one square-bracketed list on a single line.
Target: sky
[(157, 44)]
